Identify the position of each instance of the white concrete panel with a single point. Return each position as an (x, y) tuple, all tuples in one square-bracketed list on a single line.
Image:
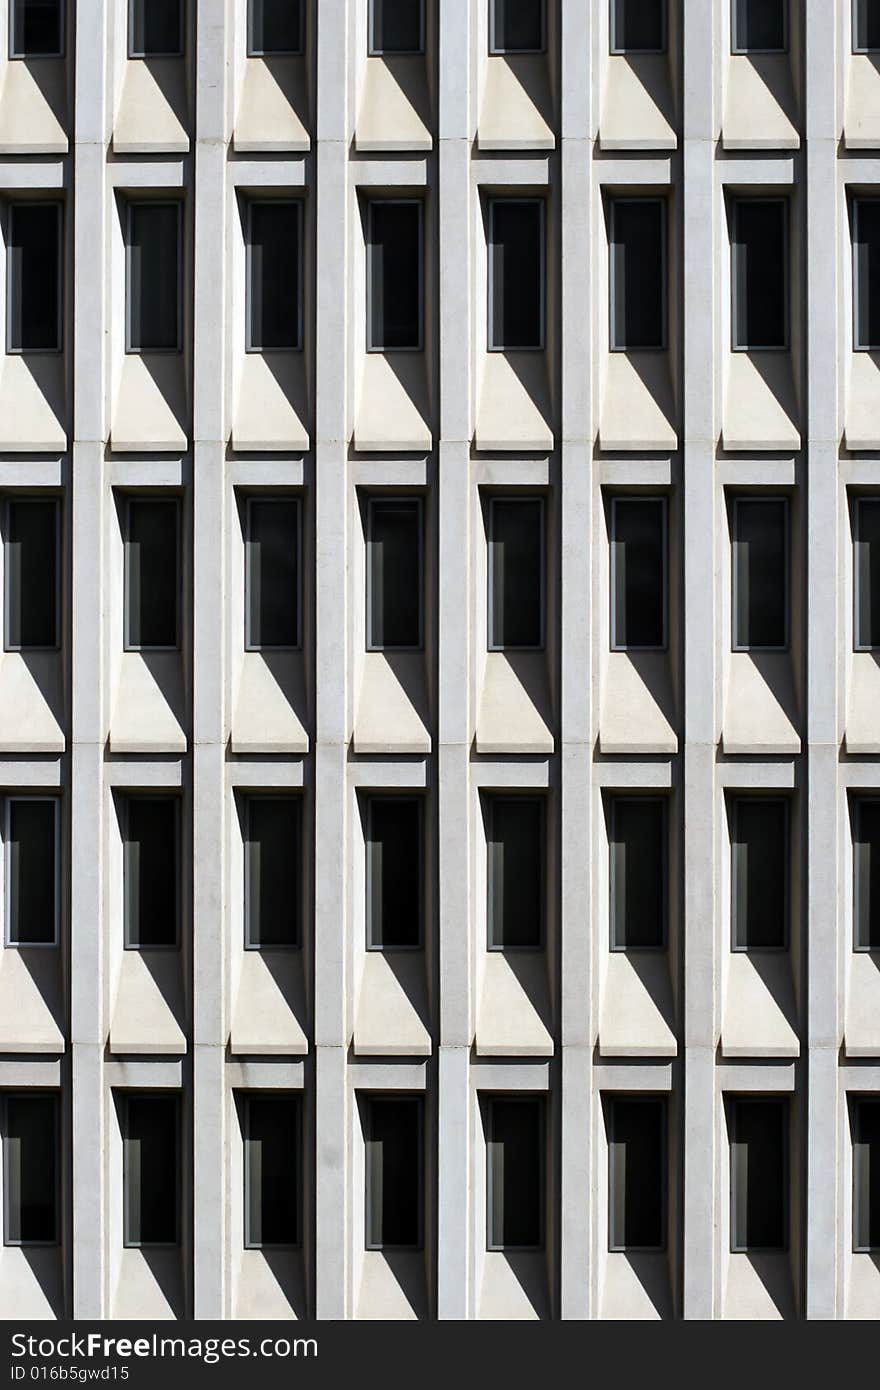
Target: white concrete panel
[(149, 708), (635, 1286), (270, 1015), (31, 1001), (514, 1287), (513, 1014), (638, 111), (516, 108), (270, 708), (273, 111), (861, 125), (862, 426), (393, 707), (638, 706), (514, 412), (152, 115), (758, 1287), (32, 718), (760, 1017), (637, 1017), (395, 112), (272, 410), (33, 107), (760, 111), (393, 412), (391, 1013), (148, 1015), (515, 711), (760, 706), (150, 410), (862, 723), (760, 405), (862, 1017), (32, 403), (638, 408)]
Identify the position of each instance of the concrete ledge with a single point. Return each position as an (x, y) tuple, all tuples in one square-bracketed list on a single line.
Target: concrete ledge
[(515, 711), (392, 1006), (152, 116), (270, 1013), (393, 411), (516, 107), (395, 109), (760, 706), (393, 705), (273, 110), (638, 706), (760, 1018), (638, 408), (272, 404), (513, 1016), (514, 411), (33, 107), (637, 1017), (760, 111), (638, 111)]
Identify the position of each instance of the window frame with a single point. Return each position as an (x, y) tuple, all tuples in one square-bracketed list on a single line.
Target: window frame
[(11, 208), (249, 644), (662, 498), (857, 801), (854, 30), (8, 942), (375, 52), (127, 645), (127, 797), (493, 797), (371, 202), (538, 1100), (735, 568), (371, 797), (130, 205), (614, 201), (372, 501), (249, 795), (652, 1098), (378, 1097), (28, 57), (856, 1101), (179, 52), (857, 540), (9, 501), (127, 1242), (252, 51), (762, 1098), (496, 50), (735, 45), (297, 203), (612, 25), (736, 202), (491, 644), (491, 203), (735, 801), (615, 798), (297, 1099), (858, 199), (57, 1136)]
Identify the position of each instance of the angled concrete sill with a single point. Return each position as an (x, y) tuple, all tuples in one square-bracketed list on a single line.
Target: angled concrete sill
[(150, 1286), (392, 1006), (638, 113), (270, 713), (31, 1007), (863, 1286), (862, 426), (515, 711), (149, 709), (638, 408), (148, 1015), (513, 1018), (151, 412), (636, 1286), (272, 407), (760, 404), (32, 1281), (392, 1286), (760, 1019), (514, 1286), (514, 411), (516, 110), (760, 111), (270, 1284), (637, 1018), (393, 709), (32, 403), (274, 106), (33, 107), (861, 1035), (394, 407), (152, 115), (761, 708), (862, 722), (758, 1287), (861, 124), (270, 1016), (395, 111), (31, 703), (638, 706)]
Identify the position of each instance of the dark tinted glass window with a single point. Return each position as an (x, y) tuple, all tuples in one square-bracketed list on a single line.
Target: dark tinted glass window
[(760, 26), (273, 276), (396, 26), (37, 29), (152, 576), (638, 573), (154, 277), (759, 1175), (394, 888), (760, 873), (394, 276), (155, 28), (30, 1170), (638, 872), (275, 26), (31, 867), (638, 26), (516, 871), (866, 870), (866, 268), (394, 574), (638, 273), (516, 274), (515, 1177), (866, 1174), (516, 573), (31, 555), (637, 1174), (272, 1179), (867, 570), (760, 273), (272, 573), (516, 26), (151, 1170), (273, 848), (33, 274), (151, 871), (866, 25), (393, 1136), (760, 574)]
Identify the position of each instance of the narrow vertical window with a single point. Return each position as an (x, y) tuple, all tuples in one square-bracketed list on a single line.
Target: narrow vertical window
[(274, 309), (760, 26), (760, 574), (393, 1135), (516, 274), (867, 573), (638, 872), (36, 29), (516, 26), (759, 1174), (151, 1175), (272, 573), (760, 873), (866, 1174), (33, 277), (516, 572), (638, 573), (152, 573), (30, 1169), (394, 872), (272, 871), (394, 275), (31, 834), (638, 274), (151, 871), (637, 1179), (515, 1141), (760, 276), (866, 26), (31, 574), (275, 28), (866, 273), (153, 275), (396, 27), (155, 28), (516, 878), (638, 26), (272, 1170), (866, 873), (394, 573)]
